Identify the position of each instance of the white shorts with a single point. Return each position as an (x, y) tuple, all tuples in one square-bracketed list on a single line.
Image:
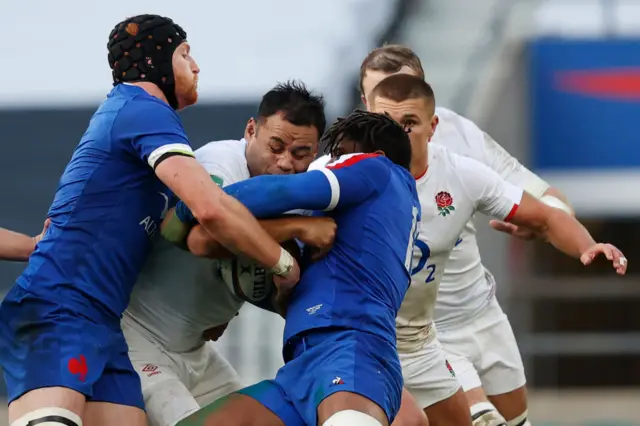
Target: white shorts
[(484, 353), (175, 385), (427, 375)]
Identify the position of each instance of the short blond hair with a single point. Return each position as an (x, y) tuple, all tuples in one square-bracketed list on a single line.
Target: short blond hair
[(390, 58)]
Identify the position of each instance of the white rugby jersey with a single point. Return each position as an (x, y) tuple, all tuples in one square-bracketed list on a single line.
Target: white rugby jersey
[(178, 295), (451, 191), (467, 287)]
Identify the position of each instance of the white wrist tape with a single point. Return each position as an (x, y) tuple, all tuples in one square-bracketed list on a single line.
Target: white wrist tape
[(284, 265), (552, 201)]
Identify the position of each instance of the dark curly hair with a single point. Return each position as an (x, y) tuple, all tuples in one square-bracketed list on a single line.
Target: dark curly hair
[(374, 132)]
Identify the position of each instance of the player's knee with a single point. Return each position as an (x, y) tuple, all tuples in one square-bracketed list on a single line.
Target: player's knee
[(485, 414), (521, 420), (351, 418), (49, 416)]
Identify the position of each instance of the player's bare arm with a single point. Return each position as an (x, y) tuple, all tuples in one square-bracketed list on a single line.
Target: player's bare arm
[(315, 231), (16, 246), (552, 197), (227, 220), (565, 233)]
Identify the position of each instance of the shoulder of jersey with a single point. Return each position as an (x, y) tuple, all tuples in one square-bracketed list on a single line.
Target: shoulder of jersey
[(351, 159), (226, 147)]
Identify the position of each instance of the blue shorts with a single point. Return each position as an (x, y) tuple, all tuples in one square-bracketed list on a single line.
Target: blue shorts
[(328, 361), (44, 344)]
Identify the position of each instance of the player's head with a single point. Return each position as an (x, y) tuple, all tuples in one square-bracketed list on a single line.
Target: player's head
[(410, 101), (283, 138), (153, 49), (385, 61), (368, 132)]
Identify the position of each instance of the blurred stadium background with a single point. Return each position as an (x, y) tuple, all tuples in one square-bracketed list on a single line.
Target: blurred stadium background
[(556, 82)]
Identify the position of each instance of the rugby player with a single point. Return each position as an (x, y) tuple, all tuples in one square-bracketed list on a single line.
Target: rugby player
[(452, 188), (16, 246), (180, 301), (61, 347), (467, 310), (341, 364)]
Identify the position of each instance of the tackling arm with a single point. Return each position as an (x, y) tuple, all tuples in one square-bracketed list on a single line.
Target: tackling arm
[(157, 137), (316, 231), (347, 183)]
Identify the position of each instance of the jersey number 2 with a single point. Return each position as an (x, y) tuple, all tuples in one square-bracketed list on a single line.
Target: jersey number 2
[(425, 253)]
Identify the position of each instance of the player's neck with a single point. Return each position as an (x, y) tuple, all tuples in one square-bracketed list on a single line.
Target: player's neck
[(151, 89), (419, 165)]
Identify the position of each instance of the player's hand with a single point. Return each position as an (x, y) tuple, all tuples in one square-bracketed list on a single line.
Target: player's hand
[(214, 333), (319, 232), (513, 230), (610, 252), (284, 284), (38, 237)]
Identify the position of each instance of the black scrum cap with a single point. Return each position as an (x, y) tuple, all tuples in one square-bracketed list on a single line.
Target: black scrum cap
[(141, 49)]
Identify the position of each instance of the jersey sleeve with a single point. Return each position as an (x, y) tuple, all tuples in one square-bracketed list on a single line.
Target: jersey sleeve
[(225, 166), (154, 130), (489, 152), (490, 194), (320, 162), (340, 185)]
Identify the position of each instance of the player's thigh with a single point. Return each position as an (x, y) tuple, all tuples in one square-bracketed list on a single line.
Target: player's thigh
[(428, 376), (167, 398), (50, 357), (117, 395), (347, 401), (109, 414), (500, 366), (263, 404), (212, 376), (37, 404), (462, 351), (330, 361), (410, 413)]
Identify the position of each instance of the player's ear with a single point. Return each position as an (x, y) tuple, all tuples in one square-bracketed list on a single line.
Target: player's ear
[(363, 99), (250, 130), (380, 152), (435, 120)]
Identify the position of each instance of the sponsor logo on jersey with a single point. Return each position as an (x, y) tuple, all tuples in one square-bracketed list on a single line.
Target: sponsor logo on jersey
[(312, 310), (217, 180), (337, 381), (450, 368), (150, 370), (444, 201)]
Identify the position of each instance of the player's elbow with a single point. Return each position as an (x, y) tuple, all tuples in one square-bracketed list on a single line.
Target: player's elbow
[(210, 210)]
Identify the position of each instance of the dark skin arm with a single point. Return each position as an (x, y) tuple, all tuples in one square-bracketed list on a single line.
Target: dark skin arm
[(315, 231)]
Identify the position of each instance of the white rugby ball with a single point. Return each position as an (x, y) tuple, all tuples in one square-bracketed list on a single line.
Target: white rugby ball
[(246, 279)]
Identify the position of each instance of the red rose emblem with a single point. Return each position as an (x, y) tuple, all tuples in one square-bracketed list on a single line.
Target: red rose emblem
[(444, 201)]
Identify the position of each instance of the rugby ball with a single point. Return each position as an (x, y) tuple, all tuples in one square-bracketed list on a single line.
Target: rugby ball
[(249, 281)]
